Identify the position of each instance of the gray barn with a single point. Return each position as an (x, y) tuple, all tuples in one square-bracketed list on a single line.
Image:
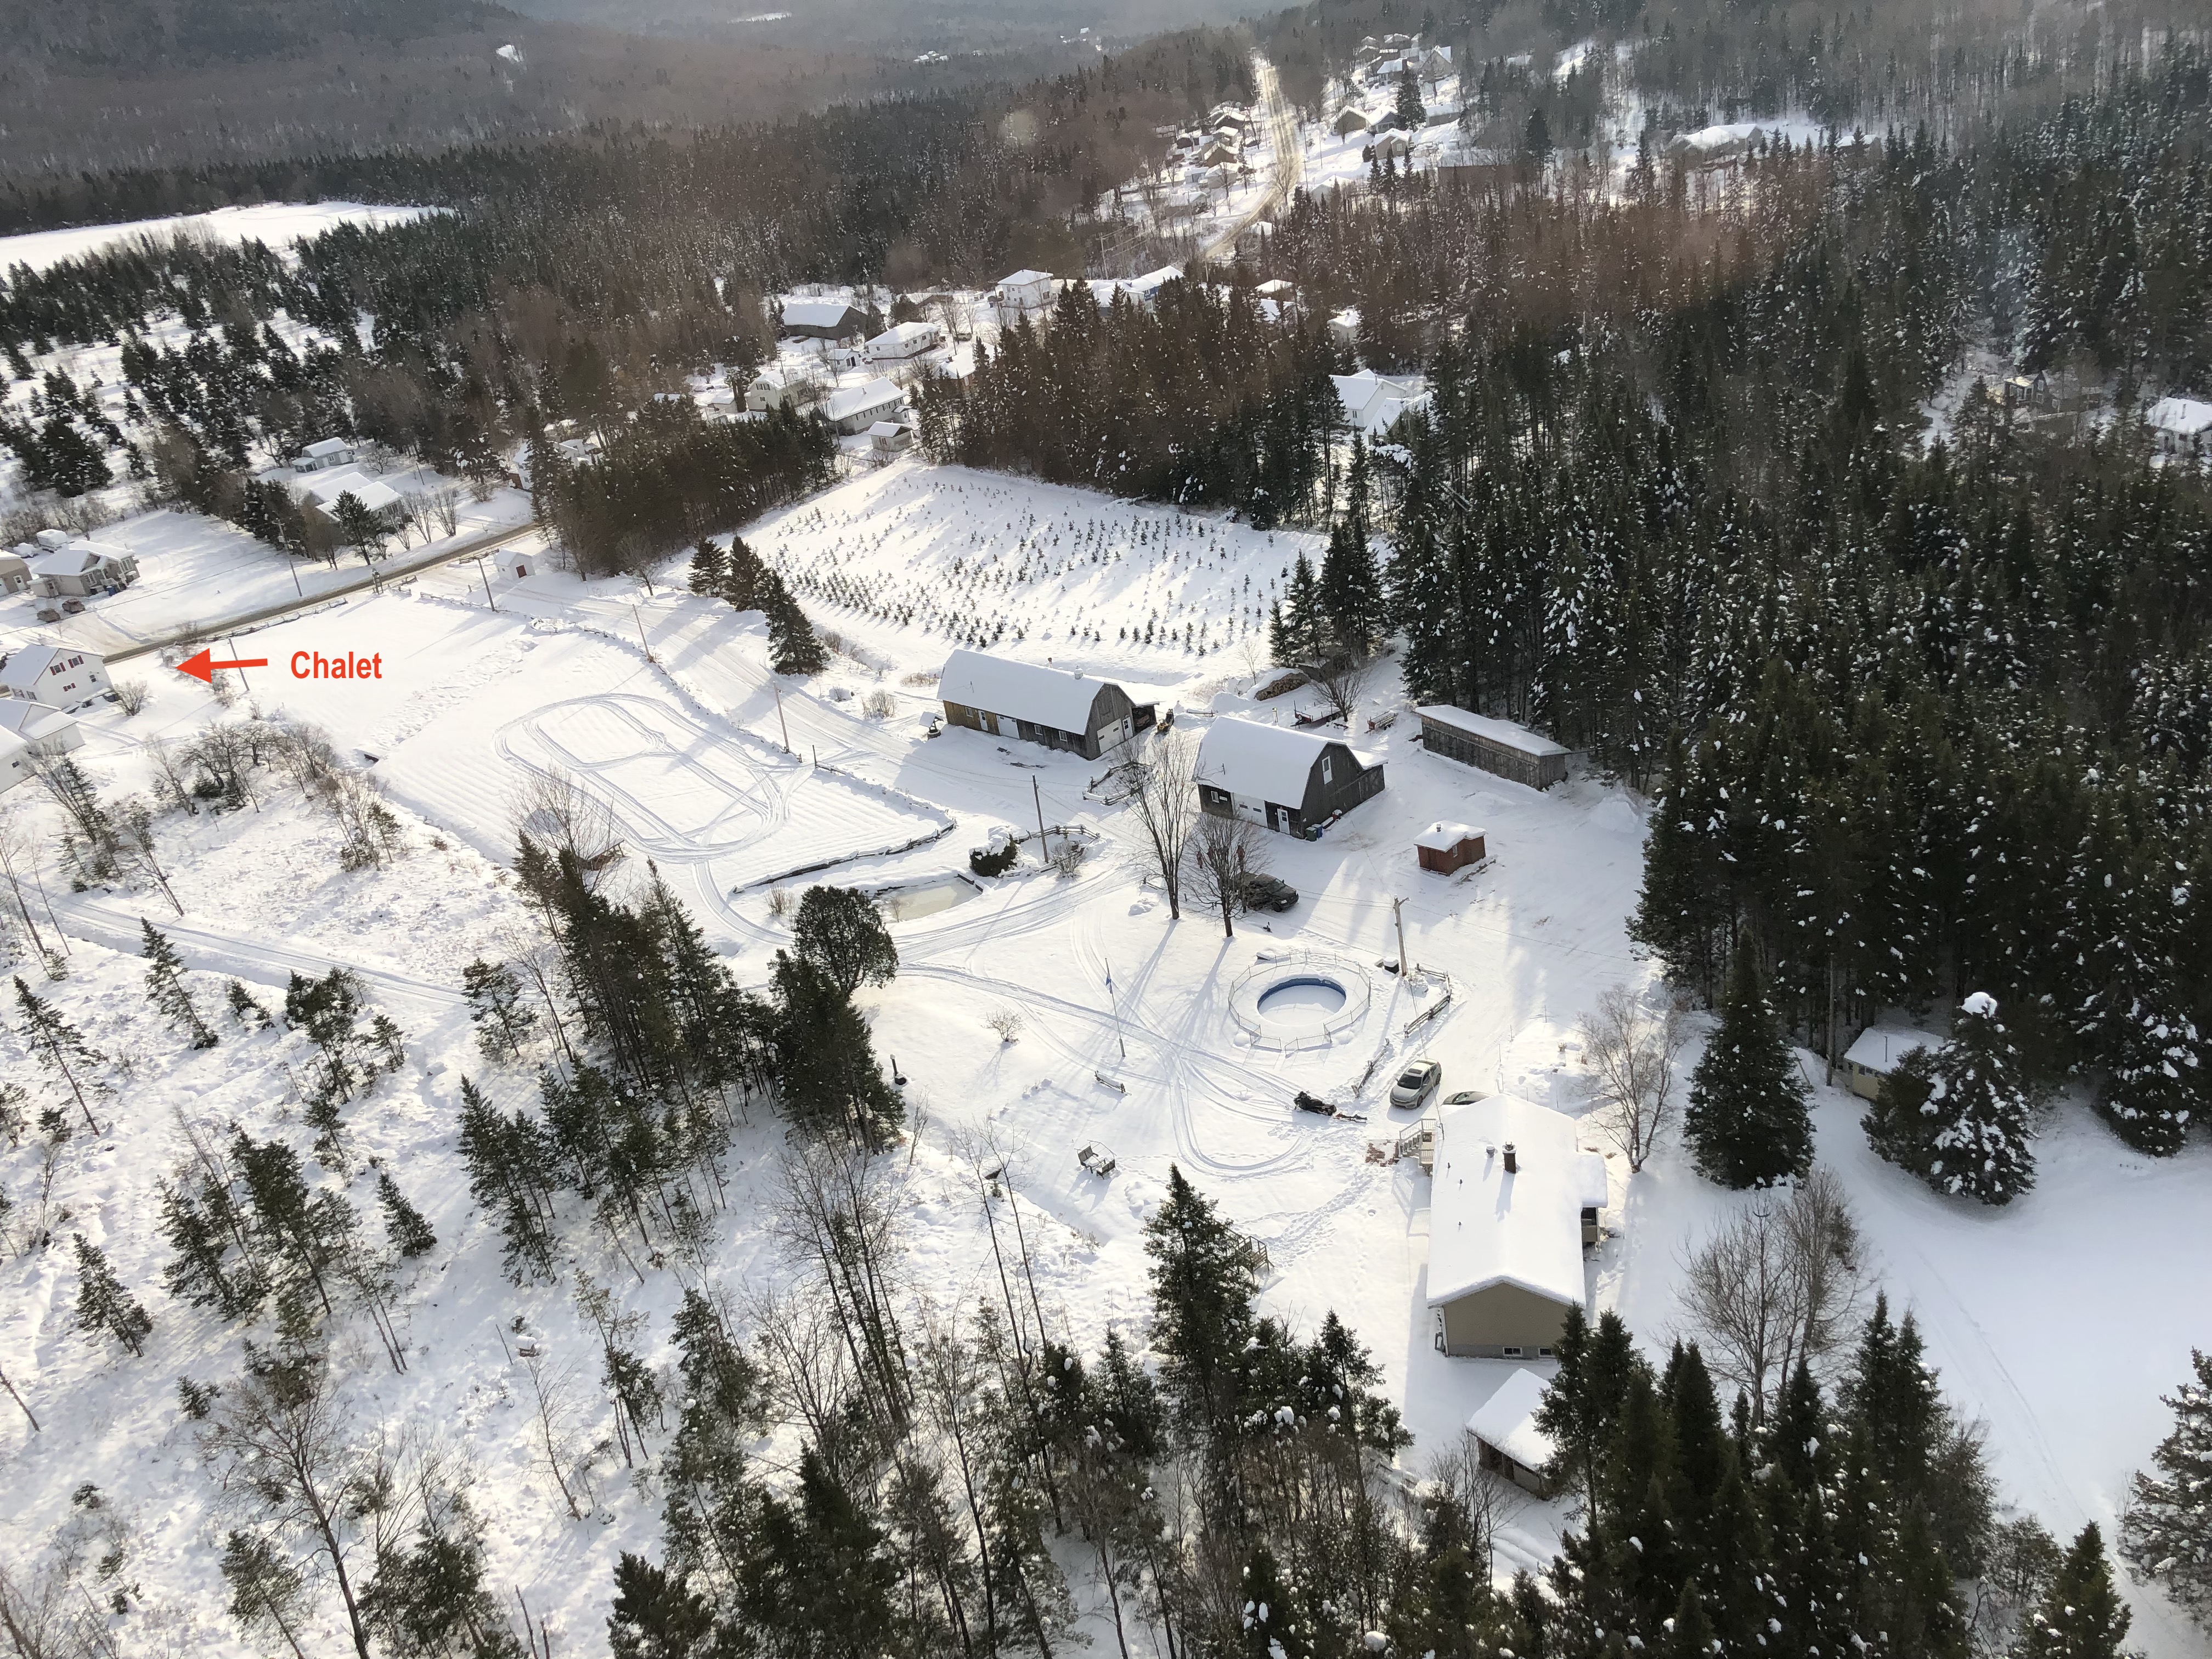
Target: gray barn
[(1278, 776), (1048, 706), (1511, 752)]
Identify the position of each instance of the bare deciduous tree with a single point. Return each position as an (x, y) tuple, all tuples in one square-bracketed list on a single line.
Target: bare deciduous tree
[(1342, 682), (1778, 1285), (283, 1452), (555, 810), (1166, 800), (553, 1405), (17, 859), (1486, 1503), (1222, 852), (1631, 1051)]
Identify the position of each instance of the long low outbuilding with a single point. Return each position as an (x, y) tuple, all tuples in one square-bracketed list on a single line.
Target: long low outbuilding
[(1280, 777), (1058, 708), (1509, 1443), (1495, 745)]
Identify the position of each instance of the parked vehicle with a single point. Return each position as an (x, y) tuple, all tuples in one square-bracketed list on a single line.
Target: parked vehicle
[(1466, 1098), (1416, 1083), (1260, 892)]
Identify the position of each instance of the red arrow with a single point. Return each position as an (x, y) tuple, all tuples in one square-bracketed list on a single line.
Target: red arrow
[(202, 667)]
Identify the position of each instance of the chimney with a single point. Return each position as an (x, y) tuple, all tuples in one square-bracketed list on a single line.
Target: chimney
[(1512, 1163)]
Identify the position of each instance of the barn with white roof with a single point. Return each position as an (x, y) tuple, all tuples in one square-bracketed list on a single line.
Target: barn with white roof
[(1055, 707), (1514, 1199), (1277, 775)]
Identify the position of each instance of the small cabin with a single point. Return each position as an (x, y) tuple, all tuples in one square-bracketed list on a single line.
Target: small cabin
[(1495, 745), (1508, 1442), (1348, 121), (1448, 849), (1876, 1053)]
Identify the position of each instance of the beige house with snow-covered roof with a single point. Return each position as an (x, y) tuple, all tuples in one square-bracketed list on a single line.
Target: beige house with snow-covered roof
[(1514, 1199)]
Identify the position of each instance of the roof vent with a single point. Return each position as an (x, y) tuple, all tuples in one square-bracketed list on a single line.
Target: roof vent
[(1512, 1163)]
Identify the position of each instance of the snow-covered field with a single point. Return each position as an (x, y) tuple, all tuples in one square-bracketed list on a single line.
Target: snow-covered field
[(279, 224), (2055, 1320)]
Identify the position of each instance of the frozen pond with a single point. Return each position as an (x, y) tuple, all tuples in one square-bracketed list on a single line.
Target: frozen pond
[(924, 899)]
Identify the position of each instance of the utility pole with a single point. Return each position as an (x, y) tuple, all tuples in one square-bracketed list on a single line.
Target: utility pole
[(490, 602), (646, 643), (1398, 912), (1044, 846), (233, 643), (1115, 1005), (780, 720)]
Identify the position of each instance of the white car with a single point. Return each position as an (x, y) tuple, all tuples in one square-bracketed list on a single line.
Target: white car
[(1417, 1083)]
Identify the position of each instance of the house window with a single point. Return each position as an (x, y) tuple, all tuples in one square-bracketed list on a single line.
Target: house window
[(1327, 765), (1513, 1353), (1543, 1353)]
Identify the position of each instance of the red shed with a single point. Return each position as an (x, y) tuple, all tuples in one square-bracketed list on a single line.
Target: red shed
[(1444, 848)]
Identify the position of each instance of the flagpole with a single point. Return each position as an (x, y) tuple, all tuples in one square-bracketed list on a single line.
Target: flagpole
[(1116, 1006)]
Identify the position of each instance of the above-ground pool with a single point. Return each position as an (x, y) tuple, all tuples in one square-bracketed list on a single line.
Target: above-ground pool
[(1299, 1000), (1306, 994)]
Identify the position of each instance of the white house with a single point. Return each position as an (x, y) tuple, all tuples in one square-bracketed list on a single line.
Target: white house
[(40, 729), (14, 761), (889, 438), (82, 568), (1514, 1202), (1875, 1055), (2180, 426), (905, 342), (321, 496), (1373, 403), (1026, 294), (1344, 327), (858, 408), (57, 676), (321, 455), (777, 388), (15, 573)]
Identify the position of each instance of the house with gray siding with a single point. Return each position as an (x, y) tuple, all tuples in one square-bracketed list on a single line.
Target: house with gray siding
[(1280, 777), (1057, 708)]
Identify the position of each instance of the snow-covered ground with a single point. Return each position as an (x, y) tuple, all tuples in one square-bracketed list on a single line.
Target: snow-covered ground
[(279, 224), (2055, 1320)]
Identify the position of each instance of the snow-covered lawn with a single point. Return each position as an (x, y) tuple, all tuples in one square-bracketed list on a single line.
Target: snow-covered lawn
[(2058, 1320)]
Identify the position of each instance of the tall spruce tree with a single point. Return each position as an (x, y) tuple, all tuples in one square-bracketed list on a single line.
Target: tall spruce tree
[(165, 986), (104, 1305), (2166, 1531), (1350, 592), (2081, 1615), (58, 1045), (1747, 1125), (1203, 1288), (840, 931), (1961, 1119), (411, 1234)]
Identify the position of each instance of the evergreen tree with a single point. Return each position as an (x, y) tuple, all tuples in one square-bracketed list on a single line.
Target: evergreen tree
[(266, 1590), (2157, 1083), (792, 647), (411, 1234), (1970, 1133), (496, 1008), (710, 568), (654, 1615), (1350, 596), (2166, 1531), (1746, 1124), (1410, 114), (104, 1305), (244, 1007), (826, 1059), (1203, 1288), (1303, 626), (165, 986), (842, 933), (2082, 1615), (58, 1045), (818, 1582), (510, 1161)]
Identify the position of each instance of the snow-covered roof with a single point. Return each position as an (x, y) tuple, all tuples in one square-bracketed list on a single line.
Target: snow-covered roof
[(906, 336), (1374, 403), (72, 561), (324, 491), (854, 400), (1708, 141), (1507, 1420), (1273, 286), (1030, 691), (32, 722), (1505, 734), (885, 429), (1488, 1228), (2184, 417), (1443, 836), (1145, 286), (1266, 762), (768, 380), (14, 562), (323, 447), (1880, 1048), (1347, 317), (815, 313)]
